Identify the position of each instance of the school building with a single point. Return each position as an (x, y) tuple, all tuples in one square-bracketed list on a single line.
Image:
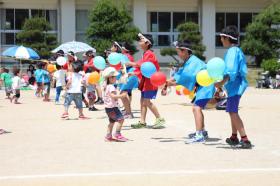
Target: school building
[(69, 19)]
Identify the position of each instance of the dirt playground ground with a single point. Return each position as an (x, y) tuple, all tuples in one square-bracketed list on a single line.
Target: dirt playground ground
[(44, 150)]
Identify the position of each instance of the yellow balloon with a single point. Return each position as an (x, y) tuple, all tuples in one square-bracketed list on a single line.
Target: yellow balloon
[(204, 79), (179, 88), (192, 95)]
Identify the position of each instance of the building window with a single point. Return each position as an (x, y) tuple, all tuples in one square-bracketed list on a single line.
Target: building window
[(240, 20), (82, 23), (163, 25), (12, 21)]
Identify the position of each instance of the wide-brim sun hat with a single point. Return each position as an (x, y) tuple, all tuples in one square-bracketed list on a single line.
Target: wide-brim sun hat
[(110, 72)]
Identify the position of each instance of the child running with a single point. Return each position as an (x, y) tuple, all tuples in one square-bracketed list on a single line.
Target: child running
[(74, 92), (16, 86), (148, 91), (60, 82), (111, 106), (7, 81), (235, 83)]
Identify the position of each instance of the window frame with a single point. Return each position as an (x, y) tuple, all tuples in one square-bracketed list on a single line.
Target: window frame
[(241, 34), (172, 34), (15, 31)]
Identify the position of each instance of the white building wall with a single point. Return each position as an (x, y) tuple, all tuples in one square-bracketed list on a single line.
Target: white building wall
[(208, 17)]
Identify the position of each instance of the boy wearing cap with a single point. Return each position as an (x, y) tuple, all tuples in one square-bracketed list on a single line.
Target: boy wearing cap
[(186, 76), (235, 83), (148, 91)]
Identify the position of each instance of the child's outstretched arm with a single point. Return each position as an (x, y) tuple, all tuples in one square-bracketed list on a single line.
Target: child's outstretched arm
[(114, 95)]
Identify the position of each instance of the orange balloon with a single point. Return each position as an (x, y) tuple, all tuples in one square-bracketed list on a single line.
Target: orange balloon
[(93, 78), (51, 68), (186, 91)]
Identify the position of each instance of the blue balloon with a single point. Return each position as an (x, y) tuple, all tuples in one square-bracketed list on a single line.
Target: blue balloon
[(124, 59), (99, 63), (216, 67), (132, 82), (148, 69), (114, 58)]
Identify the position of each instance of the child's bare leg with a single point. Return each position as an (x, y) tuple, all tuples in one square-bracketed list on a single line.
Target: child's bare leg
[(119, 127), (126, 103), (152, 107), (198, 117), (237, 124), (143, 111), (81, 112), (99, 91), (110, 129)]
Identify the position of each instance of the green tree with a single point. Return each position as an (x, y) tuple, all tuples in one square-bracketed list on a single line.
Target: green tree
[(110, 21), (188, 31), (35, 34), (262, 35)]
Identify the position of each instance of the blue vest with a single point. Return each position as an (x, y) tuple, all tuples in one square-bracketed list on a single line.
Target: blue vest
[(186, 76), (236, 69)]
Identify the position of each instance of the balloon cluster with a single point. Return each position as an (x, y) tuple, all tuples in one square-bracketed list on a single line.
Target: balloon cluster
[(214, 72), (181, 90), (149, 70)]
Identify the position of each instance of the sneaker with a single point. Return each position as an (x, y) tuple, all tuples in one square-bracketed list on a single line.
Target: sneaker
[(57, 102), (120, 138), (99, 102), (204, 133), (139, 125), (93, 109), (159, 124), (245, 144), (196, 139), (65, 116), (109, 139), (232, 141)]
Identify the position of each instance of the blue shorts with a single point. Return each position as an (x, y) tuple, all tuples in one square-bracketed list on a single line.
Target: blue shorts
[(114, 114), (76, 97), (201, 103), (150, 94), (233, 104)]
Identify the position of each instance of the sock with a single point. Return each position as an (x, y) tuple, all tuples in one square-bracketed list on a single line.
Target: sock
[(233, 136), (118, 132), (244, 138), (198, 133)]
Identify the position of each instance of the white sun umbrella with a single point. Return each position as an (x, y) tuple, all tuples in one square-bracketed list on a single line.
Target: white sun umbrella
[(74, 46)]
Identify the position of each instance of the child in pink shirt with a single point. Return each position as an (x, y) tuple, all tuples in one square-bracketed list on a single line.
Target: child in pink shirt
[(111, 106)]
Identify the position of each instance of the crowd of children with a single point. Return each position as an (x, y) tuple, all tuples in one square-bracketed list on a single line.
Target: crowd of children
[(72, 78)]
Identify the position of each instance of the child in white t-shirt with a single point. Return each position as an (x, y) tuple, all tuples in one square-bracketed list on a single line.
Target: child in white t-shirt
[(16, 86), (110, 99), (74, 92), (60, 81)]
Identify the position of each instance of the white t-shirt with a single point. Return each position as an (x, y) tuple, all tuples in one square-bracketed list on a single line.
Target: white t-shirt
[(110, 102), (60, 76), (76, 83), (16, 82)]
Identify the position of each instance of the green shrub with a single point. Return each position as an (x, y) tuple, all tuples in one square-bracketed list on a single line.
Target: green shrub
[(271, 65)]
